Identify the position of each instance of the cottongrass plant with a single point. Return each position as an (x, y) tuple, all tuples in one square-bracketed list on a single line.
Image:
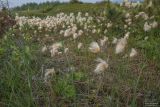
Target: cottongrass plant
[(103, 41), (115, 40), (94, 47), (66, 50), (133, 53), (147, 27), (80, 45), (44, 49), (154, 24), (49, 73), (121, 44), (101, 66), (54, 49)]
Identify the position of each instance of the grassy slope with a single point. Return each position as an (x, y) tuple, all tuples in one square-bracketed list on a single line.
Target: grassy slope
[(126, 81), (66, 8)]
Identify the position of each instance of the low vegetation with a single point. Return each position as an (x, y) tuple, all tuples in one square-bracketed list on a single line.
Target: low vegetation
[(100, 55), (6, 21)]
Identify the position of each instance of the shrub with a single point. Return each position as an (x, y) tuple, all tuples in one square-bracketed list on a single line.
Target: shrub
[(75, 1), (6, 21)]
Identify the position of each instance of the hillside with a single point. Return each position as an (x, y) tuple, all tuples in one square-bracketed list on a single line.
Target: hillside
[(57, 8), (80, 55)]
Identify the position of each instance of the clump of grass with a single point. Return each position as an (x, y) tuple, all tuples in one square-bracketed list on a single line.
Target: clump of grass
[(65, 88)]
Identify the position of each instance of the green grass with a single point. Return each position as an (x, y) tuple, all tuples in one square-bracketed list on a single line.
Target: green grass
[(66, 8)]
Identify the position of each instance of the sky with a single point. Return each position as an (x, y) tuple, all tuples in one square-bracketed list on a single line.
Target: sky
[(14, 3)]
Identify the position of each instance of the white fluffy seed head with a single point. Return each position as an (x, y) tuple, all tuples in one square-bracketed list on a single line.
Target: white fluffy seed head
[(103, 41), (127, 35), (146, 38), (46, 35), (127, 15), (54, 48), (114, 40), (67, 33), (105, 31), (86, 14), (109, 25), (75, 36), (66, 50), (147, 27), (125, 26), (74, 29), (121, 44), (48, 73), (44, 49), (94, 31), (101, 66), (80, 32), (80, 45), (154, 24), (150, 4), (94, 47), (133, 53), (61, 32)]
